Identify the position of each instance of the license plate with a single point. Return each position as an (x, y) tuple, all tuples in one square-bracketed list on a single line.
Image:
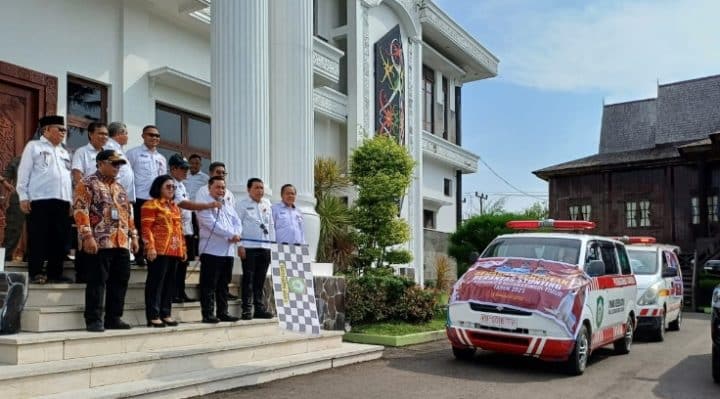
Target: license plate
[(498, 321)]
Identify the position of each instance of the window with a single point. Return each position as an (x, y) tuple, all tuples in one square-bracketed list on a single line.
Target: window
[(428, 219), (428, 99), (586, 209), (631, 214), (183, 132), (712, 203), (624, 260), (644, 213), (574, 212), (607, 250), (695, 210), (86, 103), (592, 252), (447, 187), (580, 211), (446, 108)]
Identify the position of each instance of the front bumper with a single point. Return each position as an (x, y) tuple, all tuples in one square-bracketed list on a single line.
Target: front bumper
[(715, 326), (545, 348)]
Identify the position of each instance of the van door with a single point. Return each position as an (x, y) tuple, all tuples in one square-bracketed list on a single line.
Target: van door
[(673, 285)]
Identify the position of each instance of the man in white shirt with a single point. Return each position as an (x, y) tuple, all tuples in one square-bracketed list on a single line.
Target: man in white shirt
[(289, 221), (118, 139), (256, 215), (147, 163), (44, 188), (219, 230), (196, 178)]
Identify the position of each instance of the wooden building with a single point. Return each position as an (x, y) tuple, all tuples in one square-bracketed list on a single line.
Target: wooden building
[(657, 173)]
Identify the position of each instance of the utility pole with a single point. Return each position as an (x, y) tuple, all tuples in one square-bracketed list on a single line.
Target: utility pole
[(481, 197)]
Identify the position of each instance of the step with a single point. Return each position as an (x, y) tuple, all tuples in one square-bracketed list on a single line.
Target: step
[(29, 348), (213, 380), (68, 375), (62, 318), (137, 274), (44, 295)]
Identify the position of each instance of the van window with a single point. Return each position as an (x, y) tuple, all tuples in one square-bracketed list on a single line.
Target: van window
[(593, 252), (607, 251), (624, 261), (665, 265)]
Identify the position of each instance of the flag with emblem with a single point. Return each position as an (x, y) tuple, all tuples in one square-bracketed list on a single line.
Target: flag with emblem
[(294, 289)]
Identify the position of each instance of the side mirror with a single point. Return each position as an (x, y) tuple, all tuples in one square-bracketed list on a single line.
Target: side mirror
[(595, 268), (473, 256), (670, 272)]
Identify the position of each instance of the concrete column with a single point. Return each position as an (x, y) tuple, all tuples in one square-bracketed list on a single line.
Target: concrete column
[(240, 91), (415, 139), (291, 107)]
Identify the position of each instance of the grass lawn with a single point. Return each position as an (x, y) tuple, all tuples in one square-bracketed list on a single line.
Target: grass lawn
[(399, 327)]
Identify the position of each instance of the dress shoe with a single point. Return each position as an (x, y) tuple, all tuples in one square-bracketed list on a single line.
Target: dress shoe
[(188, 299), (232, 297), (170, 322), (157, 323), (227, 317), (178, 300), (210, 320), (95, 326), (263, 314), (117, 324), (246, 316)]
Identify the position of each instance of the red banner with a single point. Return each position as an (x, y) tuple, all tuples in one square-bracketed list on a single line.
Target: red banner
[(552, 289)]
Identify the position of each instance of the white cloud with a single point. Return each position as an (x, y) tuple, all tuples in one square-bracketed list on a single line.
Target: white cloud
[(620, 48)]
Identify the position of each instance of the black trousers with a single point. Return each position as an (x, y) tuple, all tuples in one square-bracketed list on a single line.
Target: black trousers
[(213, 283), (81, 265), (254, 267), (109, 268), (181, 272), (160, 287), (140, 255), (48, 227)]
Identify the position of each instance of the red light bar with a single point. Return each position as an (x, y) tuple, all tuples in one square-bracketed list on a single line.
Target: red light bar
[(636, 239), (550, 223)]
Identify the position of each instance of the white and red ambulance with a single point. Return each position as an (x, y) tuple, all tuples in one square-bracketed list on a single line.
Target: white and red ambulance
[(550, 295), (660, 285)]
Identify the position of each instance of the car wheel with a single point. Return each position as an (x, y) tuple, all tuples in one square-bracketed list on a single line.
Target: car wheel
[(675, 324), (659, 333), (716, 363), (622, 345), (577, 361), (463, 353)]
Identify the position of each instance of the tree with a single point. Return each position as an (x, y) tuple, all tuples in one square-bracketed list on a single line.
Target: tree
[(381, 169), (335, 243), (475, 234)]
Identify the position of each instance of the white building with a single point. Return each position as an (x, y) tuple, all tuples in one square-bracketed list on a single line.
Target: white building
[(282, 81)]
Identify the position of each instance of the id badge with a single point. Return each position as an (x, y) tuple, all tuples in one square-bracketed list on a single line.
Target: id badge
[(114, 214)]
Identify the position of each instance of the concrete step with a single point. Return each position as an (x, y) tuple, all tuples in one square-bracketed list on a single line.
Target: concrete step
[(29, 348), (64, 318), (203, 382), (137, 274), (63, 376)]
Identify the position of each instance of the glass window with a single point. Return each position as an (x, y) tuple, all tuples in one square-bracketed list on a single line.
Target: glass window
[(643, 262), (607, 251), (712, 203), (695, 210), (183, 132), (574, 212), (631, 214), (428, 88), (644, 213), (199, 133), (593, 252), (428, 219), (586, 209), (556, 249), (624, 261), (170, 125), (447, 187), (86, 103)]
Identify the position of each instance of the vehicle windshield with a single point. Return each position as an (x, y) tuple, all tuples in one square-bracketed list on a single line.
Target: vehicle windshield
[(643, 262), (556, 249)]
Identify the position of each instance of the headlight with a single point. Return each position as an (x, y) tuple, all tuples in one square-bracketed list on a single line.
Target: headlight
[(716, 298), (650, 296)]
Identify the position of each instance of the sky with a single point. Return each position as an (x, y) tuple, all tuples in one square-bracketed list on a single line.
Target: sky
[(560, 61)]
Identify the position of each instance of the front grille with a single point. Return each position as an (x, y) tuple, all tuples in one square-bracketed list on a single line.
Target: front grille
[(499, 309), (500, 339)]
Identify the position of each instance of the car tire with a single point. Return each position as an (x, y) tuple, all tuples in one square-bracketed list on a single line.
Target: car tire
[(658, 334), (463, 353), (675, 324), (577, 361), (622, 345), (716, 363)]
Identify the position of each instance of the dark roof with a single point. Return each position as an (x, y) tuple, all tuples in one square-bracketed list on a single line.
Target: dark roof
[(611, 160), (688, 110), (628, 125)]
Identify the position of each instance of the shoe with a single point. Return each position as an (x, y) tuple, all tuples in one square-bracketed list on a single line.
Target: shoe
[(263, 314), (232, 297), (227, 317), (39, 279), (188, 299), (170, 322), (246, 316), (210, 320), (117, 324), (157, 323), (95, 326), (178, 300), (61, 280)]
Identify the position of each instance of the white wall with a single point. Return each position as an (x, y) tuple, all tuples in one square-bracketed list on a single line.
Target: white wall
[(330, 139), (434, 173)]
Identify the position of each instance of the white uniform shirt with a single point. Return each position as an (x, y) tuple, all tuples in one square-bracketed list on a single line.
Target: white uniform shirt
[(204, 191), (84, 161), (147, 165), (194, 182), (254, 215), (289, 224), (180, 196), (44, 172), (125, 177), (217, 226)]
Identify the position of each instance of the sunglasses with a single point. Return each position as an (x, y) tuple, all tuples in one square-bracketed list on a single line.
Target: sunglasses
[(114, 164), (153, 135)]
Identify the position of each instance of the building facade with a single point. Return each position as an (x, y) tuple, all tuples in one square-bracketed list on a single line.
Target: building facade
[(265, 86)]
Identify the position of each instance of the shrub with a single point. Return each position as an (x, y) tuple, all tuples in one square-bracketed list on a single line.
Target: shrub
[(416, 305), (442, 270), (373, 296)]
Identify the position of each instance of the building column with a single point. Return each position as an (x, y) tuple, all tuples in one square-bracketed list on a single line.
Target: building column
[(415, 140), (291, 107), (240, 91)]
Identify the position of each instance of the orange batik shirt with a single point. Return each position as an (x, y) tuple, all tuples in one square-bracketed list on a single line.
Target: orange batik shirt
[(162, 231), (101, 208)]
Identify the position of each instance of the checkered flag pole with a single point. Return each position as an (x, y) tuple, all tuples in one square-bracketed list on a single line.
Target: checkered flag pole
[(294, 289)]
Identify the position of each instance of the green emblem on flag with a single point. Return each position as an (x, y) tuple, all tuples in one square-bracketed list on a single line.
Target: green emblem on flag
[(297, 285)]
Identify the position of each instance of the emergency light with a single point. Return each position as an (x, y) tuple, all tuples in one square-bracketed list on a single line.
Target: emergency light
[(636, 239), (550, 223)]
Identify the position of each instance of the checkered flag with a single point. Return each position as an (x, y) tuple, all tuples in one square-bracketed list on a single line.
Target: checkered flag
[(294, 289)]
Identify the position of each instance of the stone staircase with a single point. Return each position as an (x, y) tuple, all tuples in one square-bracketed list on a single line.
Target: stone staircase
[(54, 357)]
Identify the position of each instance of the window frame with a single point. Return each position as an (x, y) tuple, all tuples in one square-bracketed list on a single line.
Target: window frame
[(428, 90), (184, 146), (447, 187), (712, 204), (80, 122), (433, 221), (631, 214), (695, 210)]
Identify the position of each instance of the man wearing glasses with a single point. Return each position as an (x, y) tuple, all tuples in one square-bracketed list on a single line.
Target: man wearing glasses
[(147, 163), (104, 218), (45, 191)]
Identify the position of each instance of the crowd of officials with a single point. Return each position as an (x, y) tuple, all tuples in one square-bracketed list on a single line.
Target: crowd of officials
[(163, 213)]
